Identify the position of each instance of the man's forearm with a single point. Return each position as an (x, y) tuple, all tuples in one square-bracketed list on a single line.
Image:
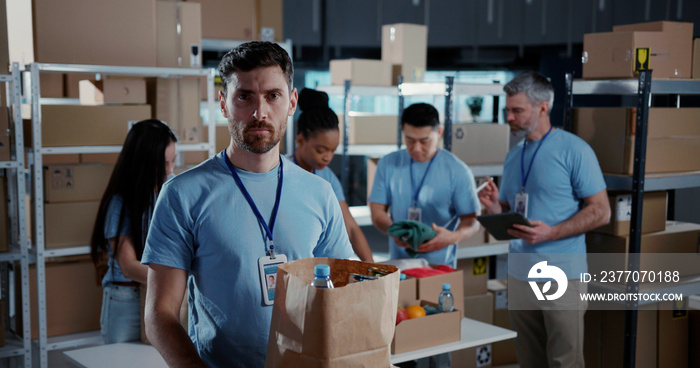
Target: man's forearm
[(468, 226), (380, 217), (587, 219), (171, 341)]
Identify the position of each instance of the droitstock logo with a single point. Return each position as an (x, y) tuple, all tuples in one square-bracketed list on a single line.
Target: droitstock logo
[(543, 271)]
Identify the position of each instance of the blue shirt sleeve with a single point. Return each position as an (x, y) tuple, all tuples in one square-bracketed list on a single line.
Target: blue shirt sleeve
[(586, 175), (380, 190), (170, 240)]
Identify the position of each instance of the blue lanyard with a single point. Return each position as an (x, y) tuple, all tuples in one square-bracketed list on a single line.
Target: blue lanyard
[(524, 175), (294, 158), (261, 220), (413, 185)]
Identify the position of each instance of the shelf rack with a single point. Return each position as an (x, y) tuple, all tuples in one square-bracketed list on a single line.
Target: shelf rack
[(17, 348), (643, 88), (448, 89), (37, 151)]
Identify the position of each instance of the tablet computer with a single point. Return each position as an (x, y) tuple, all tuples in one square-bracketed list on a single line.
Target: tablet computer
[(498, 224)]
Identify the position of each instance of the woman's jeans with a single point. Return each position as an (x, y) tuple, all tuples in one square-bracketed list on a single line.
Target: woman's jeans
[(121, 314)]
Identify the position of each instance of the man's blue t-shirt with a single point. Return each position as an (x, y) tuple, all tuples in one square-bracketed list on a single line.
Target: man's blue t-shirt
[(328, 175), (447, 193), (203, 224), (565, 170)]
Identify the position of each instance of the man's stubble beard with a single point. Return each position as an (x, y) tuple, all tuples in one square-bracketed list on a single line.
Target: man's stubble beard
[(256, 144)]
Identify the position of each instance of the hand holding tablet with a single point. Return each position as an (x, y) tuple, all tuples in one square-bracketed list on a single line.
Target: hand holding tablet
[(498, 224)]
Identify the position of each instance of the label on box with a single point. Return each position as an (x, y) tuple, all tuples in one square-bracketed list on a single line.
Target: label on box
[(479, 266), (501, 299), (195, 56), (62, 178), (624, 208), (641, 60), (267, 34), (483, 356)]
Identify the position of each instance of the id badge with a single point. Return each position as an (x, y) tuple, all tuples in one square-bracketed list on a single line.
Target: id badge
[(268, 276), (521, 204), (414, 213)]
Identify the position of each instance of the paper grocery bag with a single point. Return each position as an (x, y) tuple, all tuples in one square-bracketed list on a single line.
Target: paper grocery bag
[(351, 325)]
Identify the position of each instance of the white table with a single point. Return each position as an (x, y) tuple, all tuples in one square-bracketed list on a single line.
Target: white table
[(134, 355), (121, 355), (474, 333)]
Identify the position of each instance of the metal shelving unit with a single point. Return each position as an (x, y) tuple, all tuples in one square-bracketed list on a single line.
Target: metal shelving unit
[(38, 150), (639, 182), (17, 349), (448, 89)]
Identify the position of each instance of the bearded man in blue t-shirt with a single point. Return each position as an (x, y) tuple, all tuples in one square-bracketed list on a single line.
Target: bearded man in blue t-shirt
[(557, 178)]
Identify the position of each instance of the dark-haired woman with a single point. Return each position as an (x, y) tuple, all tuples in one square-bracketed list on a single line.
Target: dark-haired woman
[(317, 139), (145, 162)]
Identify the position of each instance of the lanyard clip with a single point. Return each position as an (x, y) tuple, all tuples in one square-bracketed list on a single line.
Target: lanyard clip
[(272, 250)]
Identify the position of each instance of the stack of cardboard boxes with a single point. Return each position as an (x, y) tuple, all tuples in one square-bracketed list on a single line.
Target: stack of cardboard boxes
[(138, 33), (478, 305), (72, 194), (672, 145), (404, 53)]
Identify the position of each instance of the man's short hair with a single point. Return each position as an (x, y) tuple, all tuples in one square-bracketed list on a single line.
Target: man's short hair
[(420, 115), (536, 87), (253, 55)]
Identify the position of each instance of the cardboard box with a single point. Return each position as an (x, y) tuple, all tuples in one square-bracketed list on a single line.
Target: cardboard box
[(405, 46), (662, 338), (101, 32), (75, 125), (612, 54), (179, 34), (367, 128), (653, 213), (696, 59), (480, 356), (52, 85), (228, 20), (408, 290), (672, 338), (429, 288), (5, 134), (223, 139), (503, 351), (68, 224), (424, 332), (612, 339), (99, 158), (73, 297), (679, 237), (479, 307), (360, 72), (673, 138), (481, 144), (113, 91), (176, 102), (475, 272), (75, 183), (270, 20)]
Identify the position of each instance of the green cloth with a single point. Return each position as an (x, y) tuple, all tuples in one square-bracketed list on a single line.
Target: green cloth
[(413, 233)]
